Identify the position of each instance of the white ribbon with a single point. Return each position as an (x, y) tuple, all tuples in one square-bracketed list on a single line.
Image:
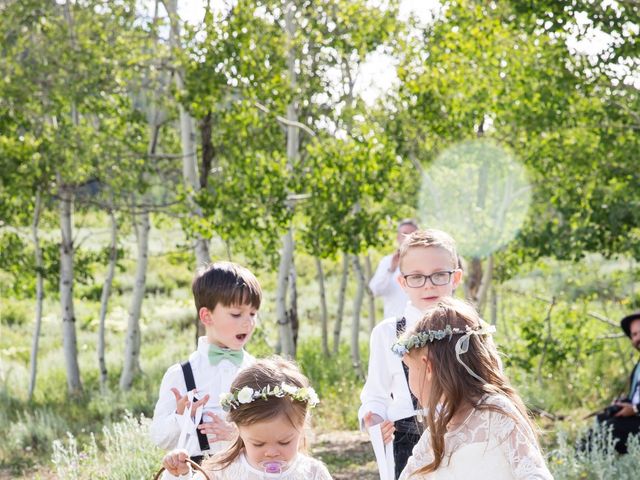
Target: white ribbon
[(462, 346), (189, 424)]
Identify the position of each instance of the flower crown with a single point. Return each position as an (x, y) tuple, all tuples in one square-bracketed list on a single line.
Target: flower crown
[(231, 400), (420, 339)]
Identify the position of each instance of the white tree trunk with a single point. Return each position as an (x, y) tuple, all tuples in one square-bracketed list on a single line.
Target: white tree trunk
[(355, 325), (494, 306), (39, 295), (485, 283), (370, 297), (104, 300), (69, 342), (132, 346), (287, 344), (292, 311), (187, 139), (342, 293), (324, 317), (285, 331)]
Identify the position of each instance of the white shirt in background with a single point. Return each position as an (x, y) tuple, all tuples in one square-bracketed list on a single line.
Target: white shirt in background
[(386, 376), (385, 284)]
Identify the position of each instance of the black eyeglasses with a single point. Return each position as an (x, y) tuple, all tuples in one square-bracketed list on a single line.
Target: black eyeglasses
[(417, 280)]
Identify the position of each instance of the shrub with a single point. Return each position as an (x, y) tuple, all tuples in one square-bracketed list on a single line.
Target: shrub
[(127, 453)]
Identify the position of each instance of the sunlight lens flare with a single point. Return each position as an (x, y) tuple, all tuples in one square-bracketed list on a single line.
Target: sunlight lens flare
[(478, 193)]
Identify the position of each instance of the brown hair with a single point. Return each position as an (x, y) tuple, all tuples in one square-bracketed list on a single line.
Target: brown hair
[(226, 283), (265, 372), (430, 238), (451, 384)]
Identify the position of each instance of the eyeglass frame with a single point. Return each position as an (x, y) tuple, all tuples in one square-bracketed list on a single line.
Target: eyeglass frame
[(428, 277)]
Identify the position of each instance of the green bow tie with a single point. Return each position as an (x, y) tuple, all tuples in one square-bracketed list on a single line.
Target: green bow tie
[(217, 354)]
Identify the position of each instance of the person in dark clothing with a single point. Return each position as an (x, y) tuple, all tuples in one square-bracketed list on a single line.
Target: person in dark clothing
[(623, 415)]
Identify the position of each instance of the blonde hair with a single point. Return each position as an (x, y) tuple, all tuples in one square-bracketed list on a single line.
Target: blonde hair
[(430, 238), (265, 372), (451, 384)]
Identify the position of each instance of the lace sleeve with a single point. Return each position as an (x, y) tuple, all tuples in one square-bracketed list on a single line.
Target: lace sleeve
[(517, 441), (321, 472), (420, 456)]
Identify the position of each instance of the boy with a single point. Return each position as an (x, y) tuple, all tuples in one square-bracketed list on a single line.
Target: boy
[(429, 271), (227, 298)]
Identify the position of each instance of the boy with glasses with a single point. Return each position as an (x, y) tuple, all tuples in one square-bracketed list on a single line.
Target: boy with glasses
[(429, 272)]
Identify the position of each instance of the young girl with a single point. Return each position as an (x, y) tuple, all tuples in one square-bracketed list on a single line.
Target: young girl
[(429, 271), (268, 403), (476, 424)]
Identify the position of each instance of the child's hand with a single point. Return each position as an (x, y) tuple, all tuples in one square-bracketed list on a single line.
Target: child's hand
[(175, 462), (217, 427), (182, 402), (387, 428)]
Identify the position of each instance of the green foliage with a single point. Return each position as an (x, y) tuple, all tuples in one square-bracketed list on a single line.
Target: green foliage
[(336, 383), (13, 314), (600, 461), (127, 453)]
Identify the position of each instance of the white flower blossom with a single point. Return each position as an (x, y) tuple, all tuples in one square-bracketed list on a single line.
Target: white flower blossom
[(245, 395)]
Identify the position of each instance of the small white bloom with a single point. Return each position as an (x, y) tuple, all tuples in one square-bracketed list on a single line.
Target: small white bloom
[(303, 394), (290, 389), (226, 397), (313, 397), (245, 395)]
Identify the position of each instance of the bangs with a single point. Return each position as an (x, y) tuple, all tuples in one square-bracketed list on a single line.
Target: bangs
[(241, 294)]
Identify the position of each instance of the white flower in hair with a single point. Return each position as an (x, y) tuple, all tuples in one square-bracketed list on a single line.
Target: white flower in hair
[(313, 397), (229, 401), (245, 395), (290, 389)]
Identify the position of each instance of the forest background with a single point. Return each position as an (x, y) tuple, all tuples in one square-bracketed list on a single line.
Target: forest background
[(135, 146)]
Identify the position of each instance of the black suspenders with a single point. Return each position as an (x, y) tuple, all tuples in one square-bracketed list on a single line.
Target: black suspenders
[(410, 424), (401, 325), (191, 384)]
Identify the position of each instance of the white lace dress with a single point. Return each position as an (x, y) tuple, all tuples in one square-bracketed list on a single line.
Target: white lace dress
[(302, 468), (487, 445)]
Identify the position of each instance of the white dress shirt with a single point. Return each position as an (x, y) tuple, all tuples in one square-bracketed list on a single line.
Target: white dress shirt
[(209, 379), (386, 376), (385, 284)]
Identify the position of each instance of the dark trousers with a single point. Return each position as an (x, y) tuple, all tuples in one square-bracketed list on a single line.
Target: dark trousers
[(403, 443), (621, 428)]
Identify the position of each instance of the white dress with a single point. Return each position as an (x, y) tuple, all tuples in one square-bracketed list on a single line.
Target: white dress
[(303, 467), (488, 445)]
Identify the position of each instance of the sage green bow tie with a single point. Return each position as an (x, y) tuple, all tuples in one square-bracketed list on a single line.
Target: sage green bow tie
[(217, 354)]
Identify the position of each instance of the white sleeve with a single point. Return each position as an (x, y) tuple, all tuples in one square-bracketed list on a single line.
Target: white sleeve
[(421, 455), (165, 426), (321, 473), (521, 450), (382, 280), (375, 395)]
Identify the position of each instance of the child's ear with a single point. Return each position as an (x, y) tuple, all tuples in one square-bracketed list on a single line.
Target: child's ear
[(457, 277), (428, 368), (401, 281), (204, 314)]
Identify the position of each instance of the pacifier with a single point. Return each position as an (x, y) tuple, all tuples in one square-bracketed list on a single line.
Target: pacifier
[(273, 466)]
